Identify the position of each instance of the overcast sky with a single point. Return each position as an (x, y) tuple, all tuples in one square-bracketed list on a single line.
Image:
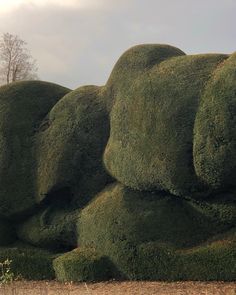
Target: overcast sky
[(77, 42)]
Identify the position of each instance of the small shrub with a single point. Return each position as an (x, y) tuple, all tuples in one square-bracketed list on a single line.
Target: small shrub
[(6, 276)]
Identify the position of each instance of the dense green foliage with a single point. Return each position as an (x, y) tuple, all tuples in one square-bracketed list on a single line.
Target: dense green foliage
[(70, 149), (131, 65), (23, 106), (28, 262), (164, 128), (150, 144), (120, 220), (220, 208), (7, 233), (51, 228), (215, 128), (213, 261), (82, 264)]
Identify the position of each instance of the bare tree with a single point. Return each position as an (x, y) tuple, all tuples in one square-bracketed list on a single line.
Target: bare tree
[(16, 62)]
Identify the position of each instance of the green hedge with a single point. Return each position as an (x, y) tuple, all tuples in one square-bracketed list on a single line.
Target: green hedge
[(220, 208), (151, 140), (170, 145), (120, 220), (28, 262), (70, 149), (7, 232), (51, 228), (131, 65), (214, 261), (83, 264), (215, 128), (23, 107)]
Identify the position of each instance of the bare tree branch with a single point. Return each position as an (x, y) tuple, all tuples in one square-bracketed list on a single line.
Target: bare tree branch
[(16, 62)]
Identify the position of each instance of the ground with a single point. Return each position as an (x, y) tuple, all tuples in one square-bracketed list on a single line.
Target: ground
[(119, 288)]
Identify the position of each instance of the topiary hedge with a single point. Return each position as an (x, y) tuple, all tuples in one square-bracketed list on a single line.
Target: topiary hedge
[(151, 140), (70, 148), (83, 264), (29, 262), (220, 208), (23, 106), (7, 232), (120, 220), (163, 128), (214, 131), (212, 261), (131, 65), (51, 228)]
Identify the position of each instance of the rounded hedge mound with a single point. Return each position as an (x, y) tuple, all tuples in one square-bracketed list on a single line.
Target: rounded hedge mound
[(70, 148), (215, 129), (23, 106), (82, 265), (211, 261), (132, 64), (51, 228), (151, 139), (119, 219)]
